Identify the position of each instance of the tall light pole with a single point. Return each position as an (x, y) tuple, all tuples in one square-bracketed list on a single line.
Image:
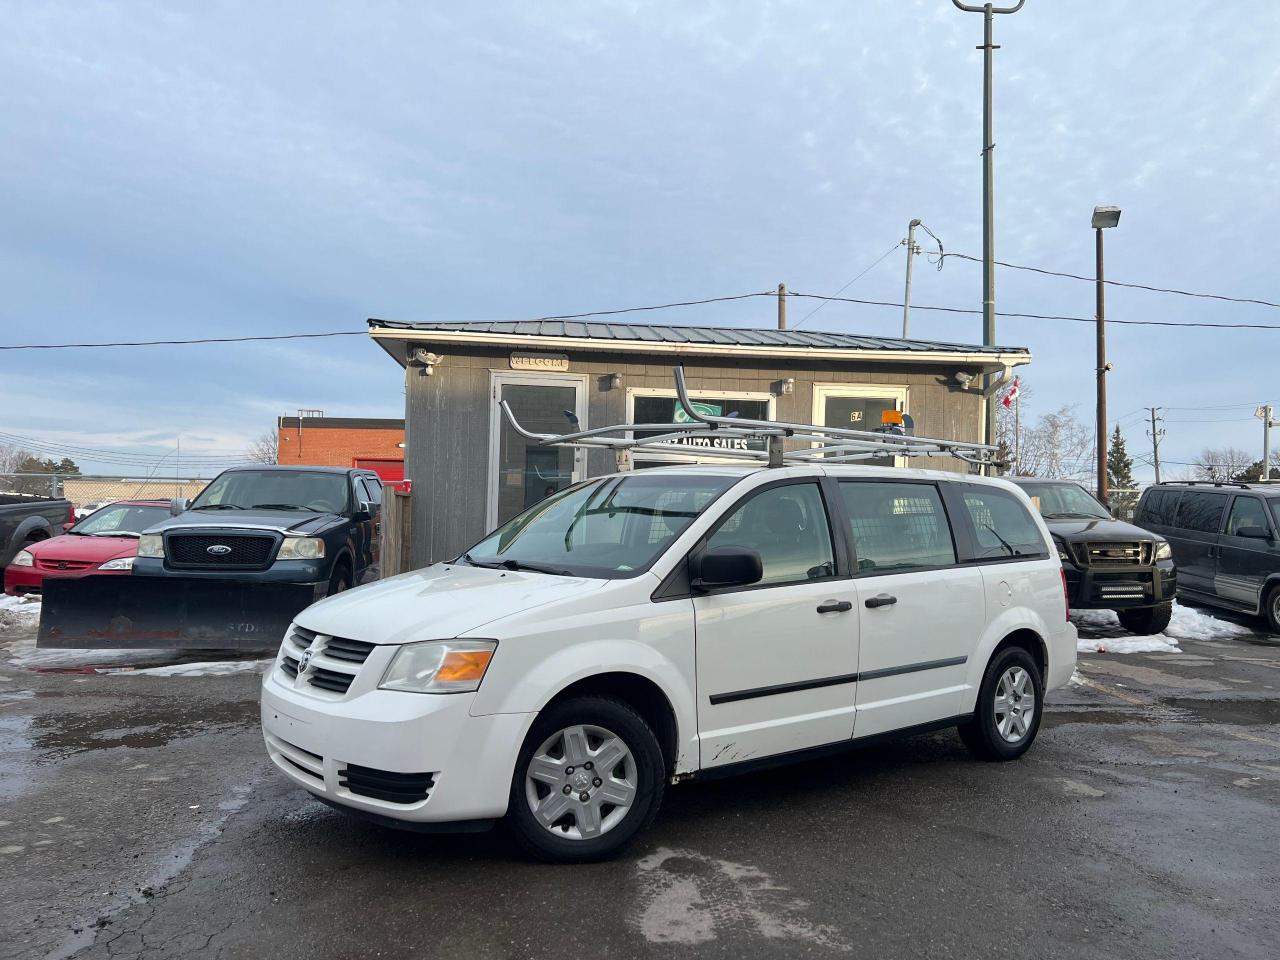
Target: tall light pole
[(1103, 218), (988, 201), (1266, 413)]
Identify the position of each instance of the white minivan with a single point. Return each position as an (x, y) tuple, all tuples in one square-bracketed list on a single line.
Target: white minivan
[(642, 628)]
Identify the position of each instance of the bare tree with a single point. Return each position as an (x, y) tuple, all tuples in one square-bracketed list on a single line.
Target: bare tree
[(263, 450), (1225, 463), (10, 456), (1057, 446)]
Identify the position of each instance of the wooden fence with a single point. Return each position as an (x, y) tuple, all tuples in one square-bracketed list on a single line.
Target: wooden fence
[(397, 532)]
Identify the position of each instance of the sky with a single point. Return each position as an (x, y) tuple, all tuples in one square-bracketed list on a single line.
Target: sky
[(234, 168)]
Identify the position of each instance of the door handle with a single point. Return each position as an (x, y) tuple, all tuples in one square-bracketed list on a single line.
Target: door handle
[(884, 600), (835, 606)]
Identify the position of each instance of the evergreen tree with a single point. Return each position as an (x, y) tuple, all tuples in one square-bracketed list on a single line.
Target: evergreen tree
[(1119, 464)]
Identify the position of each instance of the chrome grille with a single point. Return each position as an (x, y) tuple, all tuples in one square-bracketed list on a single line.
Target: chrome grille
[(335, 663), (1117, 554)]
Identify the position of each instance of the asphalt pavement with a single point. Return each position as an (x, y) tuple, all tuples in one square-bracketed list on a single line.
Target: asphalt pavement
[(140, 818)]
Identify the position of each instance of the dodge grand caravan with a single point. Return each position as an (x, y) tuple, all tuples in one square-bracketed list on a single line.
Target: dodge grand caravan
[(642, 628)]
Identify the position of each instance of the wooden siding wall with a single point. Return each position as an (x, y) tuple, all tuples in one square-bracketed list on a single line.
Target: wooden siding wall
[(447, 420)]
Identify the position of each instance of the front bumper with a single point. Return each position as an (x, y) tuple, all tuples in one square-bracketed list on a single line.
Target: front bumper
[(20, 580), (314, 741), (1119, 588), (312, 572)]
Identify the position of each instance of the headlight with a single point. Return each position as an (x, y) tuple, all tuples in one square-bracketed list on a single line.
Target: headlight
[(439, 666), (1163, 550), (301, 548), (1063, 553), (119, 563), (151, 545), (24, 559)]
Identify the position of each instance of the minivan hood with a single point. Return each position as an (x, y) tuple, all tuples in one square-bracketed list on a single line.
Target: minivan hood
[(279, 521), (436, 603), (1099, 529)]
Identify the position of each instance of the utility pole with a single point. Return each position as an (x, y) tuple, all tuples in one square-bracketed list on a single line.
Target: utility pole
[(1155, 434), (912, 250), (988, 200), (1267, 413), (782, 306), (1103, 218)]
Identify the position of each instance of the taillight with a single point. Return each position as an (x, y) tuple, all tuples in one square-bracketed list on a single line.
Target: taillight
[(1066, 597), (71, 513)]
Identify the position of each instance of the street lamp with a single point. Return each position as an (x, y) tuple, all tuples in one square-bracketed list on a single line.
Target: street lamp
[(1103, 218)]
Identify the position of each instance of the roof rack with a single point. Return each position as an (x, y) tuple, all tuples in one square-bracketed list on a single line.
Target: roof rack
[(827, 444), (1206, 483)]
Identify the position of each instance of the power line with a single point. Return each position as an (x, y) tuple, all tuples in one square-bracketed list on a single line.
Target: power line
[(876, 263), (1120, 283), (1043, 316), (123, 458)]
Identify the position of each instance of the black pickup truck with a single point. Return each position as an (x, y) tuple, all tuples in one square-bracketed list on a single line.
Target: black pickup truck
[(26, 519), (302, 525), (1110, 564)]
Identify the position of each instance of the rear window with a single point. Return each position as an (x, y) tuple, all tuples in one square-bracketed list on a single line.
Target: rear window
[(897, 526), (1157, 507), (1200, 511), (1003, 526)]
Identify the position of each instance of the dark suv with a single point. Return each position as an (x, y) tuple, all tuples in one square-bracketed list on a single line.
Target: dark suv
[(1226, 539), (305, 525), (1110, 564)]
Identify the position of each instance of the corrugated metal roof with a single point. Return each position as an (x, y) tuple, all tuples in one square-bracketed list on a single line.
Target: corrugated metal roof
[(663, 333)]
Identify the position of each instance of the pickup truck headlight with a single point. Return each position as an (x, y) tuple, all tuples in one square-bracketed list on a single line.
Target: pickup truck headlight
[(439, 666), (301, 548), (1063, 553), (119, 563), (1163, 550), (23, 558), (151, 545)]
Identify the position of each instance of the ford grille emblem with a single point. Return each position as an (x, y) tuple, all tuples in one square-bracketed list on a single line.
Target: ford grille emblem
[(305, 660), (218, 550)]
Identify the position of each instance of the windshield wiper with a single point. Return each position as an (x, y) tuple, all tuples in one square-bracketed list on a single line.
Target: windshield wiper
[(283, 506), (218, 506), (1005, 543), (515, 565), (113, 533), (1074, 516)]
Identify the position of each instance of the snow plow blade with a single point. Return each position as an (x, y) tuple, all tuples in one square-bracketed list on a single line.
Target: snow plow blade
[(168, 612)]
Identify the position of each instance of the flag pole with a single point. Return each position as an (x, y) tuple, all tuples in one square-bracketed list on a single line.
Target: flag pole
[(1017, 434)]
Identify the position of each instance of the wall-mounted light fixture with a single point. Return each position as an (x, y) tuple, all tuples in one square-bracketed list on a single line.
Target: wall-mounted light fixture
[(425, 361), (614, 380), (784, 387)]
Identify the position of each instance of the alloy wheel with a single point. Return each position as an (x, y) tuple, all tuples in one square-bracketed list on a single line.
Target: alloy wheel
[(1015, 704), (581, 782)]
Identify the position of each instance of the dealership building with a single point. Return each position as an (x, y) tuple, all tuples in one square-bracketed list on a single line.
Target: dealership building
[(471, 471)]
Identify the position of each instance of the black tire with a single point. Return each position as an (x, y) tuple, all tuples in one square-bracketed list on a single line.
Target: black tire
[(1272, 609), (980, 733), (621, 720), (1145, 621), (340, 579)]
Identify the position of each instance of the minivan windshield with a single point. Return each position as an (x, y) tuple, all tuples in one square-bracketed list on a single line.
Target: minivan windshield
[(303, 490), (612, 527), (1064, 501)]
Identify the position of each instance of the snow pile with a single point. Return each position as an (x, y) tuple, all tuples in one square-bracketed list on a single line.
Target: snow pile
[(1156, 644), (1187, 624), (18, 615)]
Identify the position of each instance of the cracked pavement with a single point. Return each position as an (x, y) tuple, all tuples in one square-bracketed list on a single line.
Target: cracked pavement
[(140, 818)]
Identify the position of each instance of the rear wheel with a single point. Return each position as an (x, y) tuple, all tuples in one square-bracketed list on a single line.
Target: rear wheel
[(1273, 609), (1007, 716), (589, 777), (1146, 620)]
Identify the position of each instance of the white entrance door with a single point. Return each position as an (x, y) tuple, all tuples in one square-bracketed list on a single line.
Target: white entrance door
[(521, 472), (858, 407)]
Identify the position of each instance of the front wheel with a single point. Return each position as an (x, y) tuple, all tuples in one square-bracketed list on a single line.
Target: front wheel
[(1007, 716), (589, 777), (340, 579), (1146, 621)]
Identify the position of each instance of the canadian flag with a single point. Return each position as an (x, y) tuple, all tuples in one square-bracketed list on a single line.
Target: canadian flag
[(1012, 393)]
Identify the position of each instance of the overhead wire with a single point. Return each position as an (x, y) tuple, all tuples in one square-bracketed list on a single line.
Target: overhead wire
[(867, 270)]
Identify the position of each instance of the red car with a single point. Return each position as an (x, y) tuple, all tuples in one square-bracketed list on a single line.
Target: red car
[(104, 542)]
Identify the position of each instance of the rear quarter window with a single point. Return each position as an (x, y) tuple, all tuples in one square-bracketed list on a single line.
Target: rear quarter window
[(1158, 507), (1002, 525)]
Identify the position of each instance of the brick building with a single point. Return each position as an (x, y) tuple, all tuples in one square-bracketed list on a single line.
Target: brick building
[(342, 442)]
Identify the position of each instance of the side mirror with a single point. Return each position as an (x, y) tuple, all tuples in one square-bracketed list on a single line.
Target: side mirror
[(68, 525), (725, 567), (1254, 533), (178, 505), (365, 510)]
